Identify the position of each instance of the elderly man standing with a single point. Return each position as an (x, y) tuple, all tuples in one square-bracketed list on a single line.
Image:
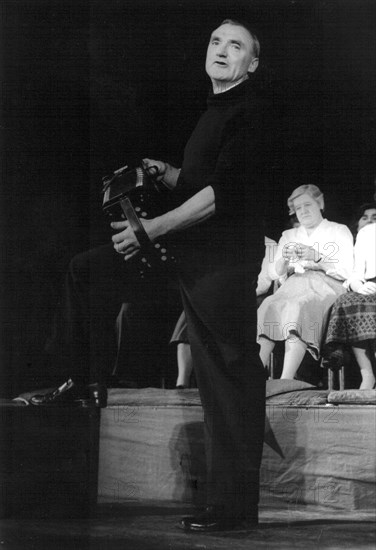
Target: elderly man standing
[(219, 231)]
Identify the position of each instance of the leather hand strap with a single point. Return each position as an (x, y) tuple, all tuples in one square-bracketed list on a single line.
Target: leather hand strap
[(135, 222)]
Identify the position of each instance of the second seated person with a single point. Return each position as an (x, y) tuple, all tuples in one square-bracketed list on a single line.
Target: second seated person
[(353, 316), (315, 259)]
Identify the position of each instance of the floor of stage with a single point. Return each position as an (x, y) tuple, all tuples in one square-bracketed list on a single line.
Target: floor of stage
[(153, 526)]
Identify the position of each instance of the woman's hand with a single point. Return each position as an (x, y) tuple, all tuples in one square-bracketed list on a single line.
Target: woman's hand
[(367, 288), (298, 251)]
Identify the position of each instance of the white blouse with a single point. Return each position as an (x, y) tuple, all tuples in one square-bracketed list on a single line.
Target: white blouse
[(332, 241), (264, 281), (365, 254)]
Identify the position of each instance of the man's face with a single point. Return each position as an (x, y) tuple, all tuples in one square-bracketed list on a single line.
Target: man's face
[(229, 56)]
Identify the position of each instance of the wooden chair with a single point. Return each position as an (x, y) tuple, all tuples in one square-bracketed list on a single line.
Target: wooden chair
[(336, 377)]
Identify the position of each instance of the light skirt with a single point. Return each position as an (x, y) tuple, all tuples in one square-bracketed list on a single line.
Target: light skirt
[(299, 307)]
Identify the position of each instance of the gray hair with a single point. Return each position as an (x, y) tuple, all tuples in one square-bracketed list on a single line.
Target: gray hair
[(244, 24), (308, 189)]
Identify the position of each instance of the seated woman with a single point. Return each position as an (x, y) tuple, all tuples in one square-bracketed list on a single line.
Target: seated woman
[(365, 215), (353, 316), (315, 258)]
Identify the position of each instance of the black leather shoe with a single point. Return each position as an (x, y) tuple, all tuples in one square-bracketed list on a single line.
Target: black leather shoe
[(62, 394), (92, 395), (214, 519)]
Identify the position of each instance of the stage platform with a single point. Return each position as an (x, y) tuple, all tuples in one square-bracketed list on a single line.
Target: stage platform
[(154, 526), (319, 450)]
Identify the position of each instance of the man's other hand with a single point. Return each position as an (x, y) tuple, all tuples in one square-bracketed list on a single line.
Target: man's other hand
[(125, 242)]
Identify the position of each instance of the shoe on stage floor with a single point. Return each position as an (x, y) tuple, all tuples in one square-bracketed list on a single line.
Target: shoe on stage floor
[(214, 519), (63, 394), (69, 393)]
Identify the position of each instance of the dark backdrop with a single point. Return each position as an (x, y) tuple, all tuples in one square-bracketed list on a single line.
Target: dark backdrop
[(91, 85)]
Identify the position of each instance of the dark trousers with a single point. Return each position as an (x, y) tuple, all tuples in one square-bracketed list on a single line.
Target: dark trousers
[(222, 333), (231, 381), (97, 283)]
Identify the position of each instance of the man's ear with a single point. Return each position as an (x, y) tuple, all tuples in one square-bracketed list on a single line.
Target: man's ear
[(253, 65)]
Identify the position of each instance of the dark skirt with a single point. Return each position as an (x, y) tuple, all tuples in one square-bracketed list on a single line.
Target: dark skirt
[(352, 319), (180, 334)]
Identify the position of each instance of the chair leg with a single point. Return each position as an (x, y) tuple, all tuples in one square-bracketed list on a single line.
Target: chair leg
[(330, 380), (342, 378), (271, 367)]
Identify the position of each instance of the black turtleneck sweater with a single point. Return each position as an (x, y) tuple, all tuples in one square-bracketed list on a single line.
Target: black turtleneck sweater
[(230, 151)]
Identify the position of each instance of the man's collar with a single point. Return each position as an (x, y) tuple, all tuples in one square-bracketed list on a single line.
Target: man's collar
[(227, 88), (231, 94)]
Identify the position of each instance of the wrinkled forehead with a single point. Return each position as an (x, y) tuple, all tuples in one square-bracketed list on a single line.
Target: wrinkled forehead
[(235, 33)]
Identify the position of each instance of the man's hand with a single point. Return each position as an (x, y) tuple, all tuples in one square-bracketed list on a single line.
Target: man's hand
[(167, 174), (195, 210), (126, 242)]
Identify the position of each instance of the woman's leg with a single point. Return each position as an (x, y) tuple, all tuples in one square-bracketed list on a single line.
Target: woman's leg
[(185, 364), (363, 358), (183, 352), (266, 348), (295, 350)]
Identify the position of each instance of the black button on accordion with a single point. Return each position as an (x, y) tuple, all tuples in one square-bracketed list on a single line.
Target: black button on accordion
[(135, 194)]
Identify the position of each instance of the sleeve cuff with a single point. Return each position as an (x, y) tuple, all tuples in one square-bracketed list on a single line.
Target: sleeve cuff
[(221, 199)]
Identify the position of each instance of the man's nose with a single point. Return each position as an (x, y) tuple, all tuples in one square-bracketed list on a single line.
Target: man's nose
[(222, 51)]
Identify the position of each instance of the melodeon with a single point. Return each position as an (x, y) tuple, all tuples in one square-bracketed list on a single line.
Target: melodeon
[(135, 194)]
